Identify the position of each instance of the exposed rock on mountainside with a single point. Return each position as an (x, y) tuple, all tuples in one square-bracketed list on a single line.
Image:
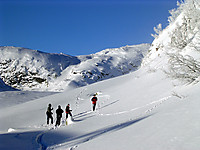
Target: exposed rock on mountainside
[(34, 70)]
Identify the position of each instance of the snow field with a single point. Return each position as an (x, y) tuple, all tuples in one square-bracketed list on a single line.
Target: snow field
[(132, 110)]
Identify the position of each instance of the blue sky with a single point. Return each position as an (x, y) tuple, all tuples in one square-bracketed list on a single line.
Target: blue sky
[(80, 27)]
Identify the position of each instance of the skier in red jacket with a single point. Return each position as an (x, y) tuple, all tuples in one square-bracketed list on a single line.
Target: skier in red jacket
[(68, 111), (94, 102)]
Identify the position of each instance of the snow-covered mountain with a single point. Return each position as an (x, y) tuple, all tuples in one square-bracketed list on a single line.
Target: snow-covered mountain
[(145, 109), (25, 69), (34, 70)]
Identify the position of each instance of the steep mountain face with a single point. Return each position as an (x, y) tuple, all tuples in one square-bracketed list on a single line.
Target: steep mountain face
[(103, 65), (34, 70), (176, 50)]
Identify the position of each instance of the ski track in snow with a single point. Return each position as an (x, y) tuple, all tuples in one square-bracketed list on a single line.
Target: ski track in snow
[(158, 102), (78, 99), (50, 128), (39, 140)]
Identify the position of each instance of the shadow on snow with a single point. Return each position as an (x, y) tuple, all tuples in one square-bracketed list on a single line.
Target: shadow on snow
[(73, 141), (108, 104), (84, 115), (39, 139), (19, 140)]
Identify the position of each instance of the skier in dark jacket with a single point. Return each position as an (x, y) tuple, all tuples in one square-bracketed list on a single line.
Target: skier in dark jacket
[(59, 112), (49, 114), (68, 111), (94, 102)]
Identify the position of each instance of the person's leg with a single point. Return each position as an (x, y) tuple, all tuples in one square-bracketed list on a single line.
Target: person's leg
[(56, 121), (94, 105), (47, 119), (51, 120), (59, 121), (66, 115)]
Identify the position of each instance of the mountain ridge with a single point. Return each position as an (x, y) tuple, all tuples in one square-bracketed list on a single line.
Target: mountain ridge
[(27, 69)]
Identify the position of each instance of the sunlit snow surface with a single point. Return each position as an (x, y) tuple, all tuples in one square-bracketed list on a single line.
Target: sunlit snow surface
[(136, 111)]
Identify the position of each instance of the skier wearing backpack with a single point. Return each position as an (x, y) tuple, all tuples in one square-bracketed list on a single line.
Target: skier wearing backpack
[(49, 114), (68, 111), (94, 102), (59, 112)]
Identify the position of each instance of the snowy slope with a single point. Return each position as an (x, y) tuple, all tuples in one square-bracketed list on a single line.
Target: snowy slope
[(136, 111), (34, 70), (145, 109)]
